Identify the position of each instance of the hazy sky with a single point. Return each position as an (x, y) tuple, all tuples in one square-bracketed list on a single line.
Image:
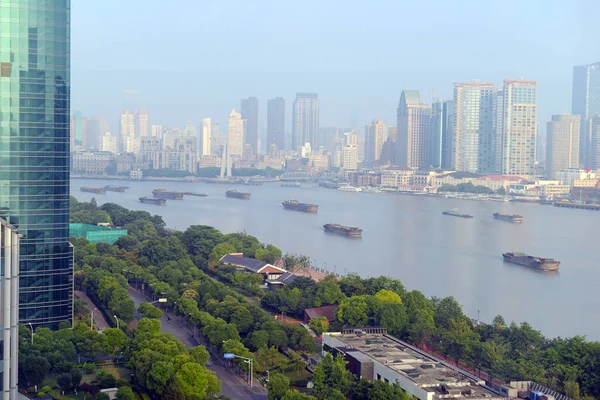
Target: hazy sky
[(192, 59)]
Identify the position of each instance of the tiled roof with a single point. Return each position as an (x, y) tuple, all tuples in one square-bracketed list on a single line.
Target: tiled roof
[(248, 263), (325, 311), (286, 279)]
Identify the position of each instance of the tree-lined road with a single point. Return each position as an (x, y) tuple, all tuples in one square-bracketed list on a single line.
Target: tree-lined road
[(231, 386)]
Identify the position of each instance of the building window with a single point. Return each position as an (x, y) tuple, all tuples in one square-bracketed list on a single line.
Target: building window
[(378, 377)]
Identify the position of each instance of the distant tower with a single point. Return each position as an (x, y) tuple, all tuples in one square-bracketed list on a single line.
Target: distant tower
[(375, 136), (413, 131), (225, 162), (276, 123), (586, 102), (206, 136), (235, 133), (305, 123), (562, 149), (249, 112)]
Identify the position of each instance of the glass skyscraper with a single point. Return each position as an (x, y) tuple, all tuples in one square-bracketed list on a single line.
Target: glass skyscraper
[(34, 152), (586, 102)]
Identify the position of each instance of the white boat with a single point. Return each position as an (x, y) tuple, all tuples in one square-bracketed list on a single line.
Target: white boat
[(349, 188)]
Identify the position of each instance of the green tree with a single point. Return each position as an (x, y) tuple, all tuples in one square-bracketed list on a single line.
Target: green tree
[(328, 292), (159, 376), (331, 378), (115, 340), (572, 390), (277, 386), (76, 376), (199, 354), (101, 396), (125, 393), (33, 369), (194, 381), (150, 311), (393, 317), (293, 394), (319, 325), (459, 340), (353, 312), (447, 310), (63, 381), (220, 250)]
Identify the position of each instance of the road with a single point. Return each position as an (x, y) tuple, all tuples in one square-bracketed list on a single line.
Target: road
[(99, 319), (231, 385)]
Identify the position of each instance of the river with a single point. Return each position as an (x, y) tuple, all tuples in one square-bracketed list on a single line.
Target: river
[(407, 237)]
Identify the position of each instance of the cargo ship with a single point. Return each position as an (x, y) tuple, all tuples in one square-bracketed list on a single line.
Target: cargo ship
[(165, 194), (115, 188), (195, 194), (507, 217), (234, 194), (90, 189), (153, 200), (543, 264), (295, 205), (457, 214), (343, 230)]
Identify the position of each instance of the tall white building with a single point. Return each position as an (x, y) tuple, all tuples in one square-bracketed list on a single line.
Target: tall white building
[(235, 134), (108, 143), (206, 142), (519, 127), (157, 131), (142, 123), (9, 309), (350, 157), (413, 119), (189, 130), (562, 144), (127, 132), (474, 127)]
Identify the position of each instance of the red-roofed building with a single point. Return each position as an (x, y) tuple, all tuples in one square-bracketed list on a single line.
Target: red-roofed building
[(325, 311)]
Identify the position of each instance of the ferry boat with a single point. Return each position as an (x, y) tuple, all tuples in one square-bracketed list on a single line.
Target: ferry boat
[(165, 194), (507, 217), (349, 188), (153, 200), (234, 194), (295, 205), (115, 188), (195, 194), (343, 230), (90, 189), (454, 213), (543, 264)]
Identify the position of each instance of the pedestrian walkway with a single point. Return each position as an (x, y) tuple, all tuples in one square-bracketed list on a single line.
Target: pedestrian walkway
[(99, 320)]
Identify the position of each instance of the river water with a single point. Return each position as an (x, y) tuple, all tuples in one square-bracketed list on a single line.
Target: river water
[(407, 237)]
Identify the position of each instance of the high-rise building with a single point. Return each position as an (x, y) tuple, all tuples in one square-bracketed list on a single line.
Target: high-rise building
[(34, 176), (562, 148), (127, 132), (79, 127), (441, 141), (520, 127), (108, 143), (9, 304), (499, 128), (96, 127), (305, 120), (593, 131), (235, 134), (350, 157), (412, 148), (475, 149), (189, 130), (206, 137), (375, 135), (157, 131), (142, 123), (276, 123), (249, 113), (586, 102)]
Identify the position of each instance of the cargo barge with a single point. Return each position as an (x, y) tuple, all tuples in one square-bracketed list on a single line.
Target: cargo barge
[(457, 214), (509, 218), (295, 184), (115, 188), (543, 264), (90, 189), (153, 200), (195, 194), (167, 195), (349, 231), (295, 205), (234, 194)]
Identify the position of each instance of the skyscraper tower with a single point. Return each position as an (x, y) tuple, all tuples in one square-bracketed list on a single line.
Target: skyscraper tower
[(276, 123), (206, 136), (34, 173), (586, 102), (413, 131), (375, 135), (475, 149), (235, 134), (249, 112), (441, 141), (142, 124), (127, 132), (562, 144), (79, 131), (305, 121), (519, 132)]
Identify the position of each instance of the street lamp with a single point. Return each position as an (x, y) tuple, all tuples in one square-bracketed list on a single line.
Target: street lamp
[(268, 376), (117, 321), (92, 320), (31, 326)]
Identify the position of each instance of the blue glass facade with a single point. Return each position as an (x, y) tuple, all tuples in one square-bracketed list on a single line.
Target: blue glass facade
[(34, 152)]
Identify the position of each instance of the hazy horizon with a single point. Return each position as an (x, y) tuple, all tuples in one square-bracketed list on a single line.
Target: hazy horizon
[(194, 60)]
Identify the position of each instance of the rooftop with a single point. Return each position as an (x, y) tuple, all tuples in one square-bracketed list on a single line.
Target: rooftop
[(250, 264), (325, 311), (285, 279), (426, 371)]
